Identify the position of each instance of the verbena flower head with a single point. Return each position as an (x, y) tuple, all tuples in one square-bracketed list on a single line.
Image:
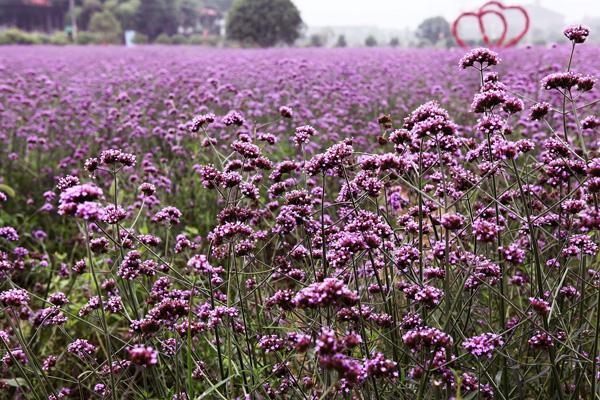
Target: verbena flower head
[(270, 343), (486, 101), (540, 306), (560, 80), (113, 215), (14, 297), (483, 345), (233, 118), (539, 111), (116, 156), (202, 120), (142, 355), (427, 337), (379, 366), (303, 134), (286, 112), (168, 215), (9, 233), (82, 348), (67, 182), (480, 58), (577, 33), (541, 340), (590, 122), (331, 291), (147, 189)]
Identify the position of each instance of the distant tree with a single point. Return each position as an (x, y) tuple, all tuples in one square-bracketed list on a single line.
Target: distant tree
[(264, 22), (221, 5), (155, 17), (84, 13), (106, 26), (163, 38), (316, 40), (341, 41), (124, 10), (140, 38), (178, 39), (434, 30), (394, 42), (370, 41), (187, 12)]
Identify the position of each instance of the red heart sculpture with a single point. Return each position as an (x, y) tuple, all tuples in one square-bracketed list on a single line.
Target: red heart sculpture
[(479, 14), (487, 9), (502, 8)]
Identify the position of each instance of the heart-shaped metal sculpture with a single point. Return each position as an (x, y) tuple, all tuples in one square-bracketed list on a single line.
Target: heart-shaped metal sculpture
[(479, 14), (497, 9)]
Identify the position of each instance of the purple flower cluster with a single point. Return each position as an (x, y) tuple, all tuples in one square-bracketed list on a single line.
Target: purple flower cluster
[(330, 292), (577, 33), (483, 345), (287, 224), (144, 356), (82, 348)]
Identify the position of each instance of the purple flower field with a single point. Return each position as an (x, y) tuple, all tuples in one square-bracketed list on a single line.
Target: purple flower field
[(184, 223)]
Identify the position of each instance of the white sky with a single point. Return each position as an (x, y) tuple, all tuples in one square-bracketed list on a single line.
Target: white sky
[(409, 13)]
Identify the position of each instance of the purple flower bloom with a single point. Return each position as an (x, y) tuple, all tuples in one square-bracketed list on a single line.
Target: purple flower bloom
[(303, 134), (540, 306), (331, 291), (270, 343), (131, 265), (113, 215), (483, 345), (144, 356), (233, 118), (14, 297), (426, 337), (379, 366), (541, 340), (114, 156), (202, 120), (486, 231), (73, 196), (82, 348), (577, 33), (9, 233), (481, 56), (168, 215)]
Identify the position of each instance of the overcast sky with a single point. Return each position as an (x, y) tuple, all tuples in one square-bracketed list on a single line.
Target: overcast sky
[(409, 13)]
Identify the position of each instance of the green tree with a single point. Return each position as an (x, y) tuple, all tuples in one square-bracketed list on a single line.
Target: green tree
[(124, 10), (84, 12), (155, 17), (106, 26), (264, 22), (187, 13), (221, 5), (434, 30), (341, 41), (370, 41), (316, 40), (394, 42)]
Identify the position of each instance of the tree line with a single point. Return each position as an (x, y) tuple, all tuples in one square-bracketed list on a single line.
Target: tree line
[(261, 23)]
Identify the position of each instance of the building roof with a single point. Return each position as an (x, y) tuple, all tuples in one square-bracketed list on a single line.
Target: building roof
[(38, 3), (209, 12)]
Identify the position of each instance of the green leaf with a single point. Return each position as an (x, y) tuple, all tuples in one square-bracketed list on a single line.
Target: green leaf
[(214, 387), (8, 190), (191, 230), (15, 382)]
